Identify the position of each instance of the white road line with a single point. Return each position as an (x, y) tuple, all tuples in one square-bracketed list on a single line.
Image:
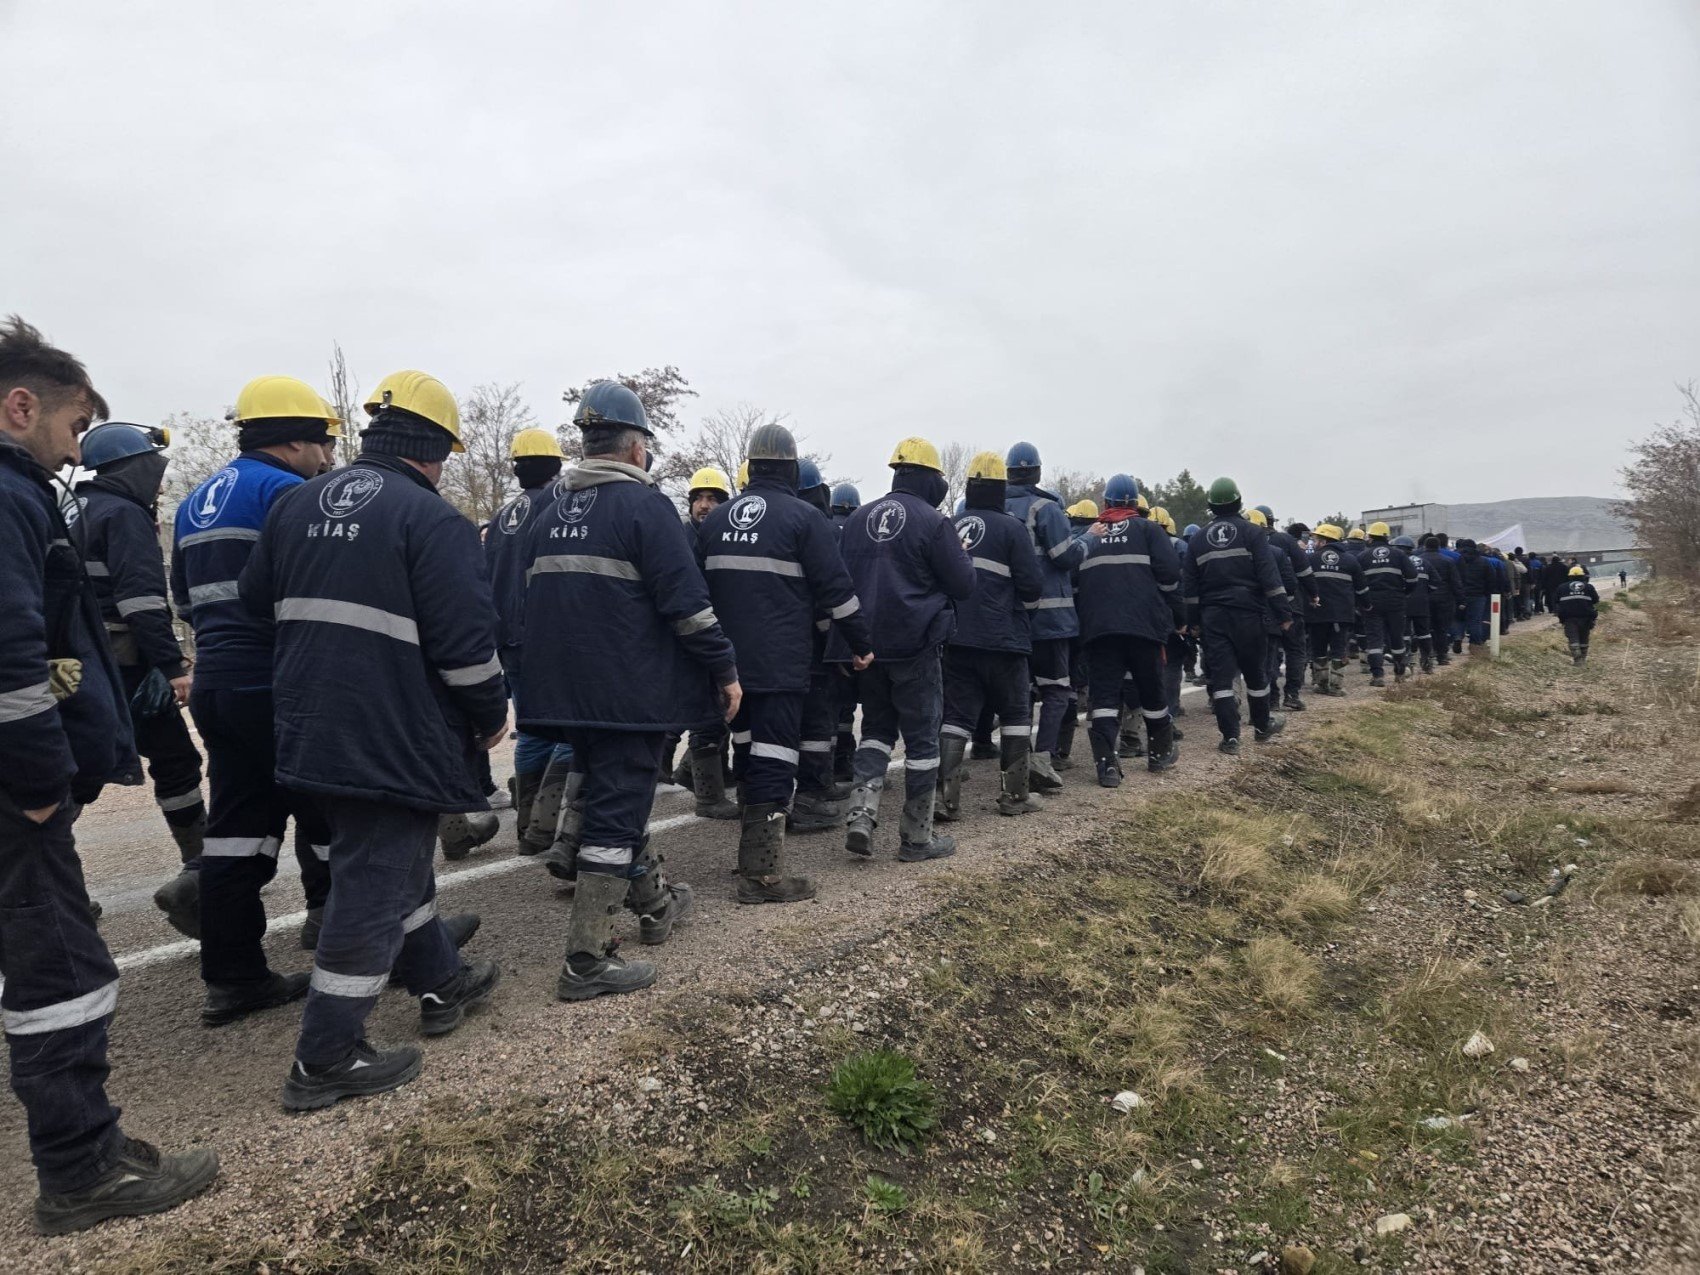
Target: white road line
[(495, 868)]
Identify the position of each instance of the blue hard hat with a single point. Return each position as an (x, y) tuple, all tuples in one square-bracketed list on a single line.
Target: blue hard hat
[(1267, 512), (1121, 492), (608, 404), (845, 496), (117, 440), (1022, 456), (1404, 542), (808, 475), (1191, 530)]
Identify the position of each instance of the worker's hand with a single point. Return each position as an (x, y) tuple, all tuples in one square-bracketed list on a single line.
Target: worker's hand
[(491, 740), (860, 662), (732, 695), (1192, 631), (42, 814), (1099, 529), (1285, 625), (180, 690), (1316, 602)]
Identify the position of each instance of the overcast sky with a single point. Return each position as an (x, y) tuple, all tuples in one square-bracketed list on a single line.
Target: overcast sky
[(1351, 254)]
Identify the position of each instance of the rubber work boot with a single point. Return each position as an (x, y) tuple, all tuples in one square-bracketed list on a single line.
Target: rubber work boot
[(561, 858), (538, 832), (917, 841), (139, 1181), (1129, 745), (952, 750), (983, 750), (311, 928), (227, 1002), (461, 834), (1292, 703), (1162, 753), (761, 859), (864, 818), (1016, 798), (709, 784), (1377, 679), (1263, 734), (180, 897), (1337, 677), (364, 1072), (1065, 737), (813, 812), (1425, 659), (658, 903), (1042, 776), (524, 789), (684, 773), (443, 1009), (591, 969)]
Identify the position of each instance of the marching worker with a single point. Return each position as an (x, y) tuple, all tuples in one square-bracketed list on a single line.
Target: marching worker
[(1477, 578), (1081, 515), (845, 501), (1419, 601), (1357, 642), (281, 427), (118, 526), (64, 734), (369, 570), (1174, 654), (815, 807), (772, 566), (985, 660), (1274, 635), (709, 489), (540, 768), (656, 662), (1233, 588), (908, 566), (1445, 596), (1288, 646), (1061, 550), (1129, 605), (1578, 608), (1341, 592), (1390, 577)]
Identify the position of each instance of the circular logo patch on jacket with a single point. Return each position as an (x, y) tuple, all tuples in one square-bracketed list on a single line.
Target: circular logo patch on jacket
[(350, 491), (206, 504), (886, 521), (747, 511), (577, 505), (971, 530), (1221, 534), (513, 516)]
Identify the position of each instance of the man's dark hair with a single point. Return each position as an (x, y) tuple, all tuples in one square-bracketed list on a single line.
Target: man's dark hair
[(1430, 543), (50, 374), (607, 440), (1440, 539)]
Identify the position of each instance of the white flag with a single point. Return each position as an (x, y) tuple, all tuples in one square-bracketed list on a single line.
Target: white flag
[(1509, 539)]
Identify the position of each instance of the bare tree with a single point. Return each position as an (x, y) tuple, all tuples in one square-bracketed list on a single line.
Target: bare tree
[(476, 481), (345, 397), (722, 439), (1070, 486), (1663, 480), (660, 390), (954, 458), (200, 447)]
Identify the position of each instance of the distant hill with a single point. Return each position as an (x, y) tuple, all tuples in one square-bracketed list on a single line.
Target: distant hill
[(1562, 523)]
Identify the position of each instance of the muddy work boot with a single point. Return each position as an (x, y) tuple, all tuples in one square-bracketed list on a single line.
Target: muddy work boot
[(952, 751), (443, 1009), (227, 1002), (591, 969), (814, 812), (864, 818), (1042, 775), (139, 1181), (364, 1072), (761, 859), (1273, 727), (1162, 752), (658, 903), (917, 840), (523, 790), (708, 782), (537, 833), (561, 858), (180, 897), (1016, 797), (461, 834)]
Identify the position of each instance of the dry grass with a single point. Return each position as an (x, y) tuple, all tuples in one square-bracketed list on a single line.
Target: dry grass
[(1650, 875), (1283, 976), (1315, 900), (1596, 787)]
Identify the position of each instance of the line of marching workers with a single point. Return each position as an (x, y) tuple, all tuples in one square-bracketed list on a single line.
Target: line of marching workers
[(357, 647)]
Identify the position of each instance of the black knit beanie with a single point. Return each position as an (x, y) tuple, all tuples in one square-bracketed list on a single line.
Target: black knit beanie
[(279, 430), (534, 471), (394, 432)]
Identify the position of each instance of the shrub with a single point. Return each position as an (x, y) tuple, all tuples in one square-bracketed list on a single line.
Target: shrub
[(880, 1094)]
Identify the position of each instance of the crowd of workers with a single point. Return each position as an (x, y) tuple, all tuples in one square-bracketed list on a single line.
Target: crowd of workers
[(750, 631)]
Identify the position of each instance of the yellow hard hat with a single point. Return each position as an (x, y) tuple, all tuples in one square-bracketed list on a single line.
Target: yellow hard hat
[(1578, 570), (536, 442), (424, 396), (1160, 516), (271, 398), (917, 451), (1326, 531), (743, 474), (1084, 509), (1255, 518), (333, 422), (1142, 503), (1356, 533), (709, 478), (986, 465), (1379, 529)]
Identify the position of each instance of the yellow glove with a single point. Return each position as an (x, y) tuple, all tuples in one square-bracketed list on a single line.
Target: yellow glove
[(64, 677)]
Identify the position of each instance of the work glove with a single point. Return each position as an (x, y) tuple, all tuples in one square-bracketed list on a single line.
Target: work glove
[(154, 697)]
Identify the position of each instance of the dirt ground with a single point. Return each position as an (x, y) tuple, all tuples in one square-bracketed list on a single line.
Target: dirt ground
[(1582, 1161)]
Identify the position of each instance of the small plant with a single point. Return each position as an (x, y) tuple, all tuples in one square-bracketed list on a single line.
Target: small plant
[(718, 1209), (880, 1094), (885, 1196), (802, 1188)]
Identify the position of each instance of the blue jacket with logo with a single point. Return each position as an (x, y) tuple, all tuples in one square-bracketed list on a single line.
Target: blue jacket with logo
[(120, 544), (215, 531), (52, 749), (1130, 583), (1061, 549), (1229, 564), (1388, 572), (1007, 577), (908, 565), (1305, 592), (1339, 584), (1578, 600), (614, 595), (507, 553), (772, 565), (375, 581), (1445, 587)]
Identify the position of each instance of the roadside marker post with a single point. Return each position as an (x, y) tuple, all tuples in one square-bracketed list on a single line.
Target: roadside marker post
[(1493, 625)]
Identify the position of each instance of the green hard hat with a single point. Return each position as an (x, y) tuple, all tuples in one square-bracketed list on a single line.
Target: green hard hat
[(1224, 491)]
